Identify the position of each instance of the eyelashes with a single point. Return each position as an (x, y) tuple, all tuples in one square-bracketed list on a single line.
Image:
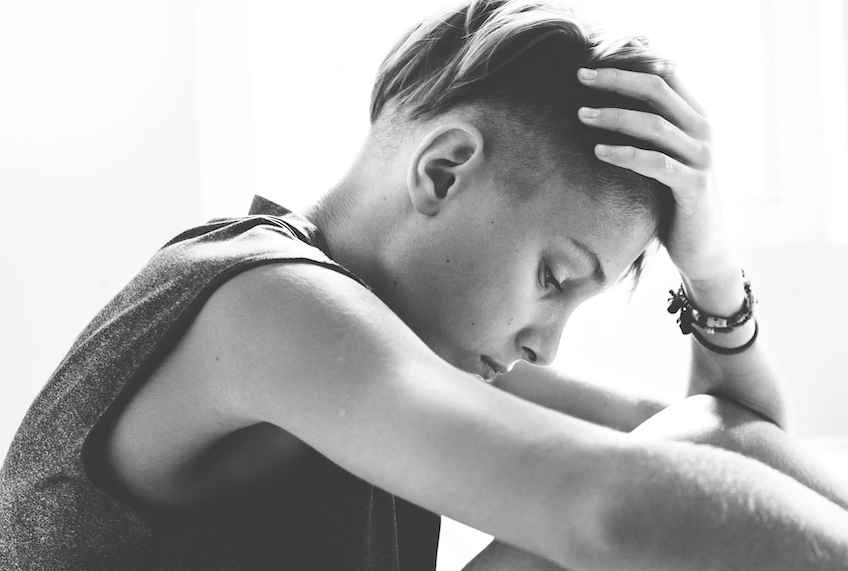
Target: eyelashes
[(549, 279)]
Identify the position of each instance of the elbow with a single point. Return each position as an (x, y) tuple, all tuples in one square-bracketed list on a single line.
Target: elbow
[(630, 515), (609, 539), (591, 531), (780, 414), (630, 531), (581, 542)]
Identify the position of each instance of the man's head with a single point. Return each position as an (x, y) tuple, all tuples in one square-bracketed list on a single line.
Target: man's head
[(508, 220), (511, 67)]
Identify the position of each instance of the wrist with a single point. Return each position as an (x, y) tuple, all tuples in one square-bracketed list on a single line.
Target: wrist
[(723, 294), (731, 342), (729, 332)]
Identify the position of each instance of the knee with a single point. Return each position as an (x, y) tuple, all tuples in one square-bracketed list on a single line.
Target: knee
[(723, 423), (706, 419)]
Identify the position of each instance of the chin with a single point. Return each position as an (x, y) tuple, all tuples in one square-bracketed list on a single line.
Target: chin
[(460, 359), (463, 358)]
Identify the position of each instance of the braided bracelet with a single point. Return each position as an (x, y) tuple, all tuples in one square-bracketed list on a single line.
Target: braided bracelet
[(727, 350), (690, 315)]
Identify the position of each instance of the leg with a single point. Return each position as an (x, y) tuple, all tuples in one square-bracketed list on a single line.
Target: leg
[(725, 424)]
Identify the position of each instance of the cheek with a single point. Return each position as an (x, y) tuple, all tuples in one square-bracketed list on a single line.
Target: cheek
[(476, 283), (498, 294)]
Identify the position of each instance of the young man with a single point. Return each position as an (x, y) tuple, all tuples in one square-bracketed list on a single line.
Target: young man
[(249, 396)]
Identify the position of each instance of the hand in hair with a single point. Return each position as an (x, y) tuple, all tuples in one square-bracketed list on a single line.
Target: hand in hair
[(676, 151)]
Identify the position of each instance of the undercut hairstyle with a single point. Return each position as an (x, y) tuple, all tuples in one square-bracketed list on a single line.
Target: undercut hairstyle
[(513, 64)]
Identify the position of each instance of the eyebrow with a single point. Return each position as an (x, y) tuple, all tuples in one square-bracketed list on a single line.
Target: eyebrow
[(598, 274)]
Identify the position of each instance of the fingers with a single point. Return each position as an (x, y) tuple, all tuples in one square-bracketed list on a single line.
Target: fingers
[(649, 88), (676, 84), (678, 135), (686, 182), (654, 129)]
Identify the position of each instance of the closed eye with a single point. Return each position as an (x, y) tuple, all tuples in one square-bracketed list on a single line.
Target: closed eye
[(551, 280)]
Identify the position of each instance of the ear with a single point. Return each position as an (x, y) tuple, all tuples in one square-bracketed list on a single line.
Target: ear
[(444, 162)]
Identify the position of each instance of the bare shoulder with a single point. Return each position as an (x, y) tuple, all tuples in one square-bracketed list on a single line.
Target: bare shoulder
[(180, 440)]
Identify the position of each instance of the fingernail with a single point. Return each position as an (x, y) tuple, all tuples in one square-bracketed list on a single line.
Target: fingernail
[(586, 73), (588, 112), (603, 150)]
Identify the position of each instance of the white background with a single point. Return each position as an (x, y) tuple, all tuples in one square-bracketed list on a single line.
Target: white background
[(123, 122)]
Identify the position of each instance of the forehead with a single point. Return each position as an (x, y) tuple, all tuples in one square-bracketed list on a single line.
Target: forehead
[(564, 213)]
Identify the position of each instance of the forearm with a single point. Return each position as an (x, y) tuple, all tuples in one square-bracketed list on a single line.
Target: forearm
[(806, 514), (595, 403), (746, 377), (721, 424), (682, 507), (697, 507), (724, 424)]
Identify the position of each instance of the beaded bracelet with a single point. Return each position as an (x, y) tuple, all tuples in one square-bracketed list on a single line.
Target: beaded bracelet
[(690, 315)]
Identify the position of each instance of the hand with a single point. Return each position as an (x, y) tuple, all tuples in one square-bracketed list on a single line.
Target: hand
[(677, 152), (675, 149)]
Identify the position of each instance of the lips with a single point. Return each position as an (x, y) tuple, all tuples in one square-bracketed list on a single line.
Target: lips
[(491, 368)]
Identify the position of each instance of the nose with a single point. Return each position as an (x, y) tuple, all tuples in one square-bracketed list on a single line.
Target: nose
[(538, 343)]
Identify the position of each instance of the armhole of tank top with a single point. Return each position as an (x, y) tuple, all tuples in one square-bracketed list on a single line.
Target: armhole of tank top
[(97, 475)]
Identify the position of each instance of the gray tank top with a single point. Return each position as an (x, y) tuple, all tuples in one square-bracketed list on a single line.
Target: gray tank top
[(54, 516)]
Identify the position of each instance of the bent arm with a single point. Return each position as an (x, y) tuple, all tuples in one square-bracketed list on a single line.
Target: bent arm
[(748, 377), (657, 537), (359, 387), (705, 420), (679, 155)]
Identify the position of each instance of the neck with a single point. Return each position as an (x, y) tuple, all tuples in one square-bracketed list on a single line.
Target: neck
[(358, 215)]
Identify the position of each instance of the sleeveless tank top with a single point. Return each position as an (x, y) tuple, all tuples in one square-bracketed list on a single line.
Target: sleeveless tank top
[(52, 514)]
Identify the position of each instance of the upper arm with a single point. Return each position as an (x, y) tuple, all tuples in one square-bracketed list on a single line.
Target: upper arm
[(587, 401), (314, 353)]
